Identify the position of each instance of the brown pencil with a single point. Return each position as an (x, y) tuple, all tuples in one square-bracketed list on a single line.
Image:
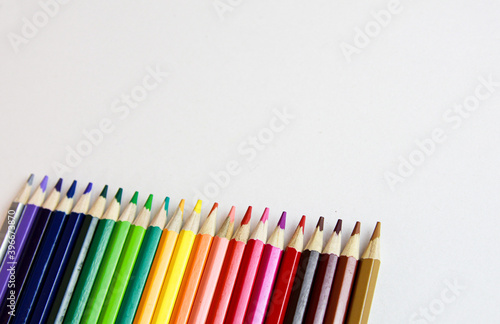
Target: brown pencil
[(366, 279), (344, 279)]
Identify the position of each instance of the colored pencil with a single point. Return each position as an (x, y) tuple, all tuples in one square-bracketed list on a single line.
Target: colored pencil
[(75, 263), (27, 257), (94, 258), (247, 272), (194, 268), (19, 240), (286, 274), (125, 265), (142, 265), (159, 268), (177, 267), (208, 282), (266, 274), (13, 214), (366, 279), (302, 283), (343, 280), (109, 263), (323, 281), (229, 271)]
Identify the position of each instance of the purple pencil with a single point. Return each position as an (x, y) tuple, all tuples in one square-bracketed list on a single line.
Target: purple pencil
[(19, 238), (266, 274)]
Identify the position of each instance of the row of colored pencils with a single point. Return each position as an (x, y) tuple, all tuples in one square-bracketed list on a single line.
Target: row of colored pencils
[(66, 261)]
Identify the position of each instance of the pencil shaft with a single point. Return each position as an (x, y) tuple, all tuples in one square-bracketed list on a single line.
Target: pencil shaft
[(89, 271), (208, 283), (283, 286), (122, 274), (26, 260), (264, 283), (57, 267), (9, 226), (40, 268), (191, 279), (156, 277), (105, 274), (322, 286), (303, 282), (341, 290), (244, 281), (19, 240), (362, 295), (226, 282), (173, 278), (139, 275), (73, 270)]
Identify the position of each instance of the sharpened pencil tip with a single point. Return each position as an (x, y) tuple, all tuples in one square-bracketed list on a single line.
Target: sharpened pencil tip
[(248, 215), (88, 189), (214, 207), (197, 208), (302, 223), (181, 205), (134, 198), (118, 195), (149, 202), (43, 184), (232, 212), (376, 231), (30, 179), (104, 191), (321, 223), (356, 229), (59, 185), (282, 221), (167, 202), (338, 227), (71, 190), (265, 215)]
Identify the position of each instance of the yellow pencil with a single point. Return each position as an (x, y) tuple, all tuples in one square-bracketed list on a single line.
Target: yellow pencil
[(176, 268)]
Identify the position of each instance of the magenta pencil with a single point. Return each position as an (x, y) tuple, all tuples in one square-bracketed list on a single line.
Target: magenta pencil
[(266, 275)]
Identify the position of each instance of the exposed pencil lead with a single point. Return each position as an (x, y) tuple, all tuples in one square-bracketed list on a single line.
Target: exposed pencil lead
[(231, 214), (197, 208), (149, 202), (181, 205), (166, 203), (248, 215), (215, 206), (302, 223), (321, 223), (356, 229), (43, 184), (71, 190), (338, 227), (265, 215), (30, 179), (134, 198), (88, 189), (104, 191), (376, 231), (118, 195), (58, 185), (282, 221)]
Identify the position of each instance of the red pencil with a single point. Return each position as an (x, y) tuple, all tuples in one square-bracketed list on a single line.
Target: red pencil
[(230, 267), (286, 274), (266, 275), (248, 270)]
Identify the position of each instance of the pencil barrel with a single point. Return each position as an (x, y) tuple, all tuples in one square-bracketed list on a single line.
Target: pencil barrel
[(363, 291)]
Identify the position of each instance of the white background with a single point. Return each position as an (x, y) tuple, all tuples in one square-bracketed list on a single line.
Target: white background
[(352, 122)]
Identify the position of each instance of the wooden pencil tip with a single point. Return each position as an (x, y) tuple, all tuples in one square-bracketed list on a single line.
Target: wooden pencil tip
[(302, 223), (71, 190), (149, 202), (376, 231), (214, 207), (134, 198), (338, 227), (30, 179), (88, 189), (104, 191), (59, 185), (265, 215), (356, 229), (248, 215), (232, 212), (181, 205), (197, 208), (321, 223), (43, 184), (282, 221), (118, 196)]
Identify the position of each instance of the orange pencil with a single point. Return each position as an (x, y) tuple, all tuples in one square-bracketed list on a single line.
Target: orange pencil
[(151, 292), (194, 269), (230, 267), (206, 289)]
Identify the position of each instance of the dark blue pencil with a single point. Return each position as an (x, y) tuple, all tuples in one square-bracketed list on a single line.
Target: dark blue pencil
[(61, 258), (44, 257), (34, 239)]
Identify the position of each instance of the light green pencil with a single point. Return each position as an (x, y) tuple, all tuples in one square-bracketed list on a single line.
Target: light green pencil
[(108, 264)]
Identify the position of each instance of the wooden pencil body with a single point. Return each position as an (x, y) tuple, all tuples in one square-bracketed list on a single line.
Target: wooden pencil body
[(191, 279), (362, 294), (244, 282), (322, 286), (302, 285), (226, 282), (341, 290)]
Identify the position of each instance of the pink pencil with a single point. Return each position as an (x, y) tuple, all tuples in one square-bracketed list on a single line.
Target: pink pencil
[(266, 275)]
